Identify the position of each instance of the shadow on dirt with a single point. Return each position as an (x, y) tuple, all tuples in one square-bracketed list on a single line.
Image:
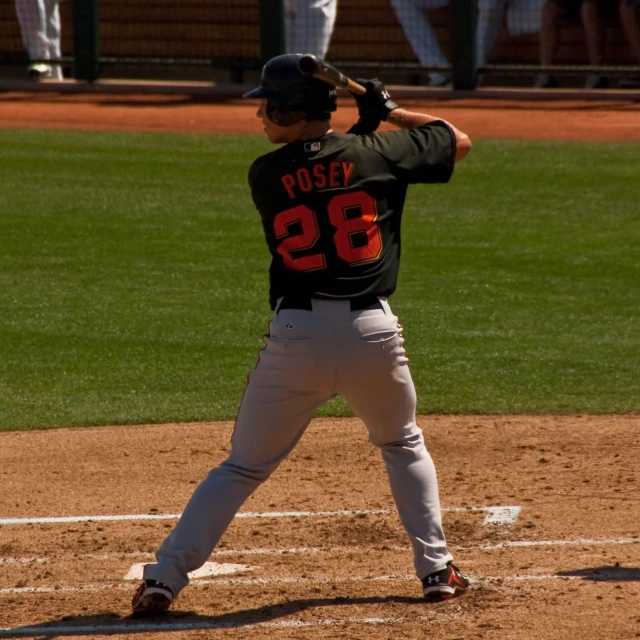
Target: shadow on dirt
[(604, 574), (109, 623)]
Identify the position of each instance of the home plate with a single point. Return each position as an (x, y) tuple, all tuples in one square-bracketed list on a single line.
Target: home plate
[(207, 569)]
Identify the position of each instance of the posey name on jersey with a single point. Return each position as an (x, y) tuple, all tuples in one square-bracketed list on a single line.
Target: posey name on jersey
[(331, 175)]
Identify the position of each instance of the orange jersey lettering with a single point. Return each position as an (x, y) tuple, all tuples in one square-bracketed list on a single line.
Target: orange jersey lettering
[(289, 182), (321, 176), (347, 169)]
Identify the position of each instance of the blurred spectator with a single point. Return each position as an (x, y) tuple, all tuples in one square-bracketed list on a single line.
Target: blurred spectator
[(630, 18), (522, 16), (40, 29), (592, 14), (309, 25), (421, 36)]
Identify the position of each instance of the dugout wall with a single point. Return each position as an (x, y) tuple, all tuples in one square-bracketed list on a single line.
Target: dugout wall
[(212, 40)]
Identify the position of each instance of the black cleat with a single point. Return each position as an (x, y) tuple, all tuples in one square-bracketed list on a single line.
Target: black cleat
[(445, 584), (151, 599)]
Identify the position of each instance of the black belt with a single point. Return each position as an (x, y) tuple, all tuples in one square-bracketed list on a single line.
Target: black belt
[(304, 302)]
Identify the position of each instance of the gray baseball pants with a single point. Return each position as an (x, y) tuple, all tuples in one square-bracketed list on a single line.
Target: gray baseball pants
[(309, 357)]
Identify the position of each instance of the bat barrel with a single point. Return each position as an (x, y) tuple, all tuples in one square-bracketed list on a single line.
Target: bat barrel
[(309, 64)]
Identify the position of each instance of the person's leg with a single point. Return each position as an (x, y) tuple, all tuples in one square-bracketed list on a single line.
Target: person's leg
[(630, 19), (290, 13), (420, 34), (490, 20), (282, 394), (376, 382), (32, 18), (53, 36), (310, 30), (594, 39), (593, 31), (551, 17), (552, 14)]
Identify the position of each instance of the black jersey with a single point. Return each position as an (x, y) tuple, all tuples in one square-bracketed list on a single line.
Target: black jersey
[(331, 207)]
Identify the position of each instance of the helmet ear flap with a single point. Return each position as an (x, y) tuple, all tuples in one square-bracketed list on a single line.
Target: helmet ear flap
[(283, 116)]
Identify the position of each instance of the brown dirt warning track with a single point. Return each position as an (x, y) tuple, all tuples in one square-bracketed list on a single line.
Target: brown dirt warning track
[(486, 118)]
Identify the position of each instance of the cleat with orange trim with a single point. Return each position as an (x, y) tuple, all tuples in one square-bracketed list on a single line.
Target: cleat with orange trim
[(445, 584)]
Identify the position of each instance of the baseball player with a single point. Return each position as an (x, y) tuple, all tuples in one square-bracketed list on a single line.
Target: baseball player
[(309, 25), (629, 11), (522, 16), (592, 13), (331, 207), (40, 29), (422, 37)]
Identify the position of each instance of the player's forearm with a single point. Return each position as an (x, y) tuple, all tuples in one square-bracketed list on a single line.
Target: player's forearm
[(410, 120)]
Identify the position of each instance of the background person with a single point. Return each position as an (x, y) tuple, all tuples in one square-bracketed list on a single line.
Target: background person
[(40, 29), (422, 37), (630, 19), (309, 25), (522, 16), (592, 13)]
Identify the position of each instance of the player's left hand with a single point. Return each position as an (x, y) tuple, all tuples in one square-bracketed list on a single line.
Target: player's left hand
[(368, 120), (377, 101)]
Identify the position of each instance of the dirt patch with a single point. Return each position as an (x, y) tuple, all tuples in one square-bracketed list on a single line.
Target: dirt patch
[(558, 120), (567, 565)]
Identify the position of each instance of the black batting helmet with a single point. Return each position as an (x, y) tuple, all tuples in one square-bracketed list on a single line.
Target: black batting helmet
[(292, 96)]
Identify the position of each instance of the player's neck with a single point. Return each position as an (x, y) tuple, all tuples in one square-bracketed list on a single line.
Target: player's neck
[(315, 129)]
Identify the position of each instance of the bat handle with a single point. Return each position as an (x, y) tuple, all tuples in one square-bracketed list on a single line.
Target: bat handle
[(354, 87)]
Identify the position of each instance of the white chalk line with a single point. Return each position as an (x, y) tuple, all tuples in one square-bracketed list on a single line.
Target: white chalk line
[(91, 588), (553, 543), (495, 515), (337, 549)]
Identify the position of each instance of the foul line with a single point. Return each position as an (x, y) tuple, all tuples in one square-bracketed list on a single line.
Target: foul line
[(495, 515)]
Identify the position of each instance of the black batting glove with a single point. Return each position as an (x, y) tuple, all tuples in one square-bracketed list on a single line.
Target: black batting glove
[(376, 102)]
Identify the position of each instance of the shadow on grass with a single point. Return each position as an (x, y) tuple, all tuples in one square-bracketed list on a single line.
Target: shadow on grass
[(604, 574), (109, 623)]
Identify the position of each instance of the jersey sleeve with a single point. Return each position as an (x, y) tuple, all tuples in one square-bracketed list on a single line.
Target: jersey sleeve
[(256, 171), (425, 154)]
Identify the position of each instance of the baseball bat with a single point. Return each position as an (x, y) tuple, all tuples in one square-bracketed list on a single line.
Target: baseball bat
[(310, 65)]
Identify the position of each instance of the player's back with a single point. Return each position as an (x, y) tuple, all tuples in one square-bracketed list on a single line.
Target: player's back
[(331, 207)]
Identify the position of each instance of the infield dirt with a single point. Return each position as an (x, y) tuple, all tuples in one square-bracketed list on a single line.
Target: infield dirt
[(567, 567)]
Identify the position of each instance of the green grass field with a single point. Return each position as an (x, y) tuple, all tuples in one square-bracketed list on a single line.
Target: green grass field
[(133, 279)]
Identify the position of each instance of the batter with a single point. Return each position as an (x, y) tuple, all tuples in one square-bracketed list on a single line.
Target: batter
[(331, 206)]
